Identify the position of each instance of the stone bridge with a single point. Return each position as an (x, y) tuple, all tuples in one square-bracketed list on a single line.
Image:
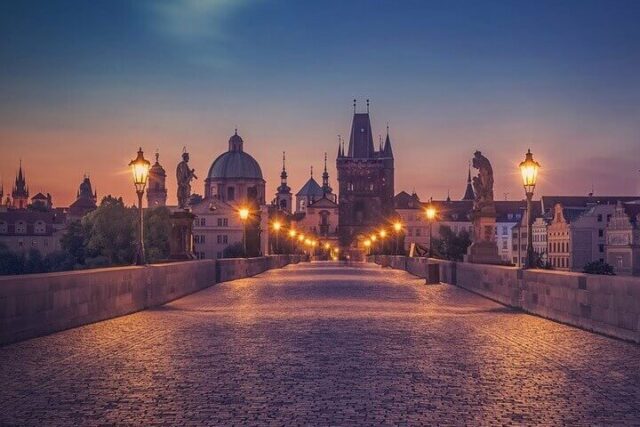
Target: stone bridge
[(322, 344)]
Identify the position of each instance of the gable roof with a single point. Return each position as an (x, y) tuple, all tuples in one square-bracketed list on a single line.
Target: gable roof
[(361, 139), (323, 203)]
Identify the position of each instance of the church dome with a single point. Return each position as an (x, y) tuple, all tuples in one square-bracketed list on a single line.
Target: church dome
[(235, 163)]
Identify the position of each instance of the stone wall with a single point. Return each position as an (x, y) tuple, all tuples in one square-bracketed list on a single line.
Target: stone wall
[(39, 304), (605, 304)]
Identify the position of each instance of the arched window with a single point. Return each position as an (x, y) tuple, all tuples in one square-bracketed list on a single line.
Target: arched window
[(231, 193)]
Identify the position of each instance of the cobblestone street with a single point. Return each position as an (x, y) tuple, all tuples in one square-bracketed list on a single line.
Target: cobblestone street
[(322, 344)]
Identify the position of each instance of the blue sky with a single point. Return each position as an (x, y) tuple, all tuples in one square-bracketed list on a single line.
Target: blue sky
[(82, 84)]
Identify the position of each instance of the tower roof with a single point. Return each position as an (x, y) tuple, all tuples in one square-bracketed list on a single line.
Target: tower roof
[(361, 139), (387, 151), (469, 193)]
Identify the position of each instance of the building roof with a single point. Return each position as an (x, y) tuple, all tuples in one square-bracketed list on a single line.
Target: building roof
[(404, 200), (548, 202), (235, 163), (469, 194), (39, 196), (361, 138), (311, 189), (323, 203)]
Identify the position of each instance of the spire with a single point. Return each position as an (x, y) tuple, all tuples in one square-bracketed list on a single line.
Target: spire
[(326, 189), (311, 171), (388, 151), (157, 156), (340, 154), (283, 188), (469, 193), (367, 106)]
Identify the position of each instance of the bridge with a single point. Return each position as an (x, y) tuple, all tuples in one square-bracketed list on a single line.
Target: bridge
[(323, 344)]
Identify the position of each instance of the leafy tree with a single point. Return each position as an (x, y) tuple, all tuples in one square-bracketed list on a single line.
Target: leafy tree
[(110, 232), (73, 242), (11, 262), (234, 250), (157, 232), (34, 262), (59, 261), (599, 267), (450, 245)]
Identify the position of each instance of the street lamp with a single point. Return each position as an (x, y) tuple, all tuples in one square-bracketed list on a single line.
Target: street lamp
[(140, 170), (367, 244), (529, 170), (397, 227), (244, 215), (276, 228), (430, 213)]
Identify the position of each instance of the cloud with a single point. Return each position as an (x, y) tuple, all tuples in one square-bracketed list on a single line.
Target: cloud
[(192, 20)]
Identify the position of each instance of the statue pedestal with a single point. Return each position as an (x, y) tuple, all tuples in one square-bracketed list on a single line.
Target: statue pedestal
[(484, 250), (181, 242)]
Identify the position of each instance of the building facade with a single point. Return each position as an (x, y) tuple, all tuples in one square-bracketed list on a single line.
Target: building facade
[(623, 239)]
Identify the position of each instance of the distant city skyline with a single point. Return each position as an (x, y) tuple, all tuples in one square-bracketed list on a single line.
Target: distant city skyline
[(84, 85)]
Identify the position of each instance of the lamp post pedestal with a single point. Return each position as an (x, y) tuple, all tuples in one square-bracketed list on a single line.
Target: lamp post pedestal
[(181, 242)]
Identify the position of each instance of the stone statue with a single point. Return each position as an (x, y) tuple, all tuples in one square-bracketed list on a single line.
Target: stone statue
[(184, 175), (483, 250), (483, 183)]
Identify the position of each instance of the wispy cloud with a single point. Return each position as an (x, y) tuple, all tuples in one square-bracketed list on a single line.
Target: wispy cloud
[(192, 20)]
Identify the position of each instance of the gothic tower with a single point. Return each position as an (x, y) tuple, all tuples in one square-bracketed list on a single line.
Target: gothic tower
[(156, 189), (20, 191), (365, 179), (284, 198)]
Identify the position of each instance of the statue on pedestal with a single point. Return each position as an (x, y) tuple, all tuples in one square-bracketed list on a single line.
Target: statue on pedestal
[(483, 250), (181, 243)]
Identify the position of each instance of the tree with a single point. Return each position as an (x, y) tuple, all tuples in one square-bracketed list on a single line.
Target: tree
[(599, 267), (73, 242), (451, 246), (157, 232), (11, 262), (110, 232), (34, 262), (234, 250)]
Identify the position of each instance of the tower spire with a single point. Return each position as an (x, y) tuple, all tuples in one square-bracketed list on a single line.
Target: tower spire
[(469, 193), (354, 106), (367, 106)]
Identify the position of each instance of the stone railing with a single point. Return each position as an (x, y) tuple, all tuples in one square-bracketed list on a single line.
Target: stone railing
[(39, 304), (604, 304)]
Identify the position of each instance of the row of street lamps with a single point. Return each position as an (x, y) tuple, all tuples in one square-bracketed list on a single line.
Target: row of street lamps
[(528, 170)]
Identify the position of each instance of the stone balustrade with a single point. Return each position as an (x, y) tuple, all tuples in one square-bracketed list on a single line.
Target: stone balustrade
[(606, 304), (39, 304)]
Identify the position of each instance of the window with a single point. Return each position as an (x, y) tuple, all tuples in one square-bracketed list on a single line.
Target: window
[(222, 238), (3, 227), (601, 248), (505, 230), (203, 222), (21, 227), (601, 233), (599, 217), (504, 245), (223, 222), (231, 193), (417, 232), (515, 259), (39, 227)]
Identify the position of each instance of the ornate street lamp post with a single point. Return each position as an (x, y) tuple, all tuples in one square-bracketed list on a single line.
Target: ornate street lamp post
[(244, 215), (140, 170), (430, 213), (397, 227), (529, 171), (276, 228)]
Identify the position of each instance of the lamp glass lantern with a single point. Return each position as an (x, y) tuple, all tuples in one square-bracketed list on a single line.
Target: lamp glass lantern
[(140, 171), (529, 171)]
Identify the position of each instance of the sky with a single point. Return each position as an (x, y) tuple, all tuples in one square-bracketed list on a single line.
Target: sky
[(84, 84)]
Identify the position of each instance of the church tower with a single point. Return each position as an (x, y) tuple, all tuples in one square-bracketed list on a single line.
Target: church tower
[(20, 191), (284, 198), (156, 189), (365, 179)]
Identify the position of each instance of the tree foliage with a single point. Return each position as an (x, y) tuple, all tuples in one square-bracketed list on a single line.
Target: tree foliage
[(599, 267), (451, 246), (157, 232), (110, 232)]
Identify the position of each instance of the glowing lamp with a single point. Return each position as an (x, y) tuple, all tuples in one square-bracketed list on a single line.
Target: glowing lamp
[(140, 170), (529, 171)]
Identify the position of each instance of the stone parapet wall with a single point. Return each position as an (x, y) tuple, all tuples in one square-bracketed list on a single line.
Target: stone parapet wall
[(39, 304), (605, 304)]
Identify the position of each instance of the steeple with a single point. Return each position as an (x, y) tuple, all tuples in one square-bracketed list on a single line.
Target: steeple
[(326, 189), (469, 194), (283, 188), (387, 152), (235, 142), (20, 191), (361, 139)]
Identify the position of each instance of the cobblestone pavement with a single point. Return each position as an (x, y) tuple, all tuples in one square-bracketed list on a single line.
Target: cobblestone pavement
[(322, 344)]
